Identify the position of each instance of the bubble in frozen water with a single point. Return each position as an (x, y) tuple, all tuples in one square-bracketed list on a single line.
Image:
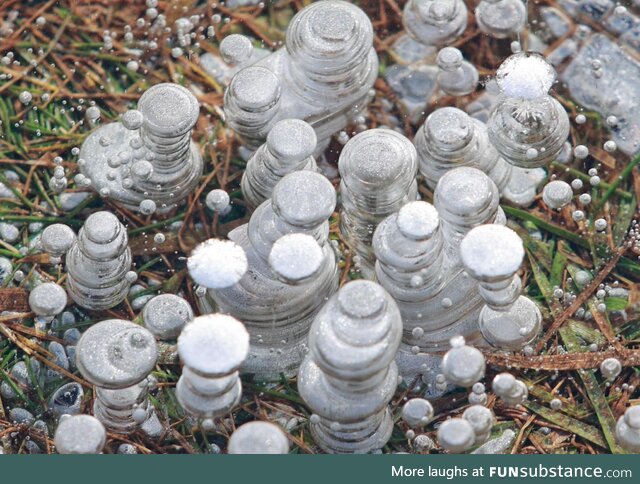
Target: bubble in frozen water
[(600, 224), (584, 199), (217, 200), (48, 299), (165, 315), (463, 365), (481, 420), (416, 280), (67, 400), (612, 121), (147, 207), (142, 170), (594, 181), (557, 194), (610, 146), (217, 264), (127, 449), (531, 153), (576, 184), (578, 215), (139, 415), (423, 443), (628, 429), (478, 388), (92, 113), (132, 119), (343, 137), (513, 392), (555, 404), (581, 152), (25, 97), (159, 238), (80, 434), (581, 119), (417, 412), (456, 435), (610, 368), (9, 233), (235, 49), (258, 438), (57, 239), (133, 65)]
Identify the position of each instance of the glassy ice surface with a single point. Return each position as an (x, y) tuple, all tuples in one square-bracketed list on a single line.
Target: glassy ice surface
[(148, 157), (628, 429), (456, 76), (419, 264), (350, 375), (278, 312), (450, 269), (435, 22), (501, 18), (616, 92), (289, 147), (323, 76), (378, 170), (450, 138), (97, 263), (117, 356)]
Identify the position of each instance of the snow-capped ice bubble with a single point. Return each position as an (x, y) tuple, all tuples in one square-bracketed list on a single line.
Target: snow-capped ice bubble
[(217, 264)]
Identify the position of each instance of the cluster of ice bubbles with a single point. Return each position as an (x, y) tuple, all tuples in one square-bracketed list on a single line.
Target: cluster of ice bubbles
[(148, 161)]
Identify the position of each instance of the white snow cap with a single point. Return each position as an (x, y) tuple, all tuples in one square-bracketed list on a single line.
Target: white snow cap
[(526, 75), (216, 264)]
